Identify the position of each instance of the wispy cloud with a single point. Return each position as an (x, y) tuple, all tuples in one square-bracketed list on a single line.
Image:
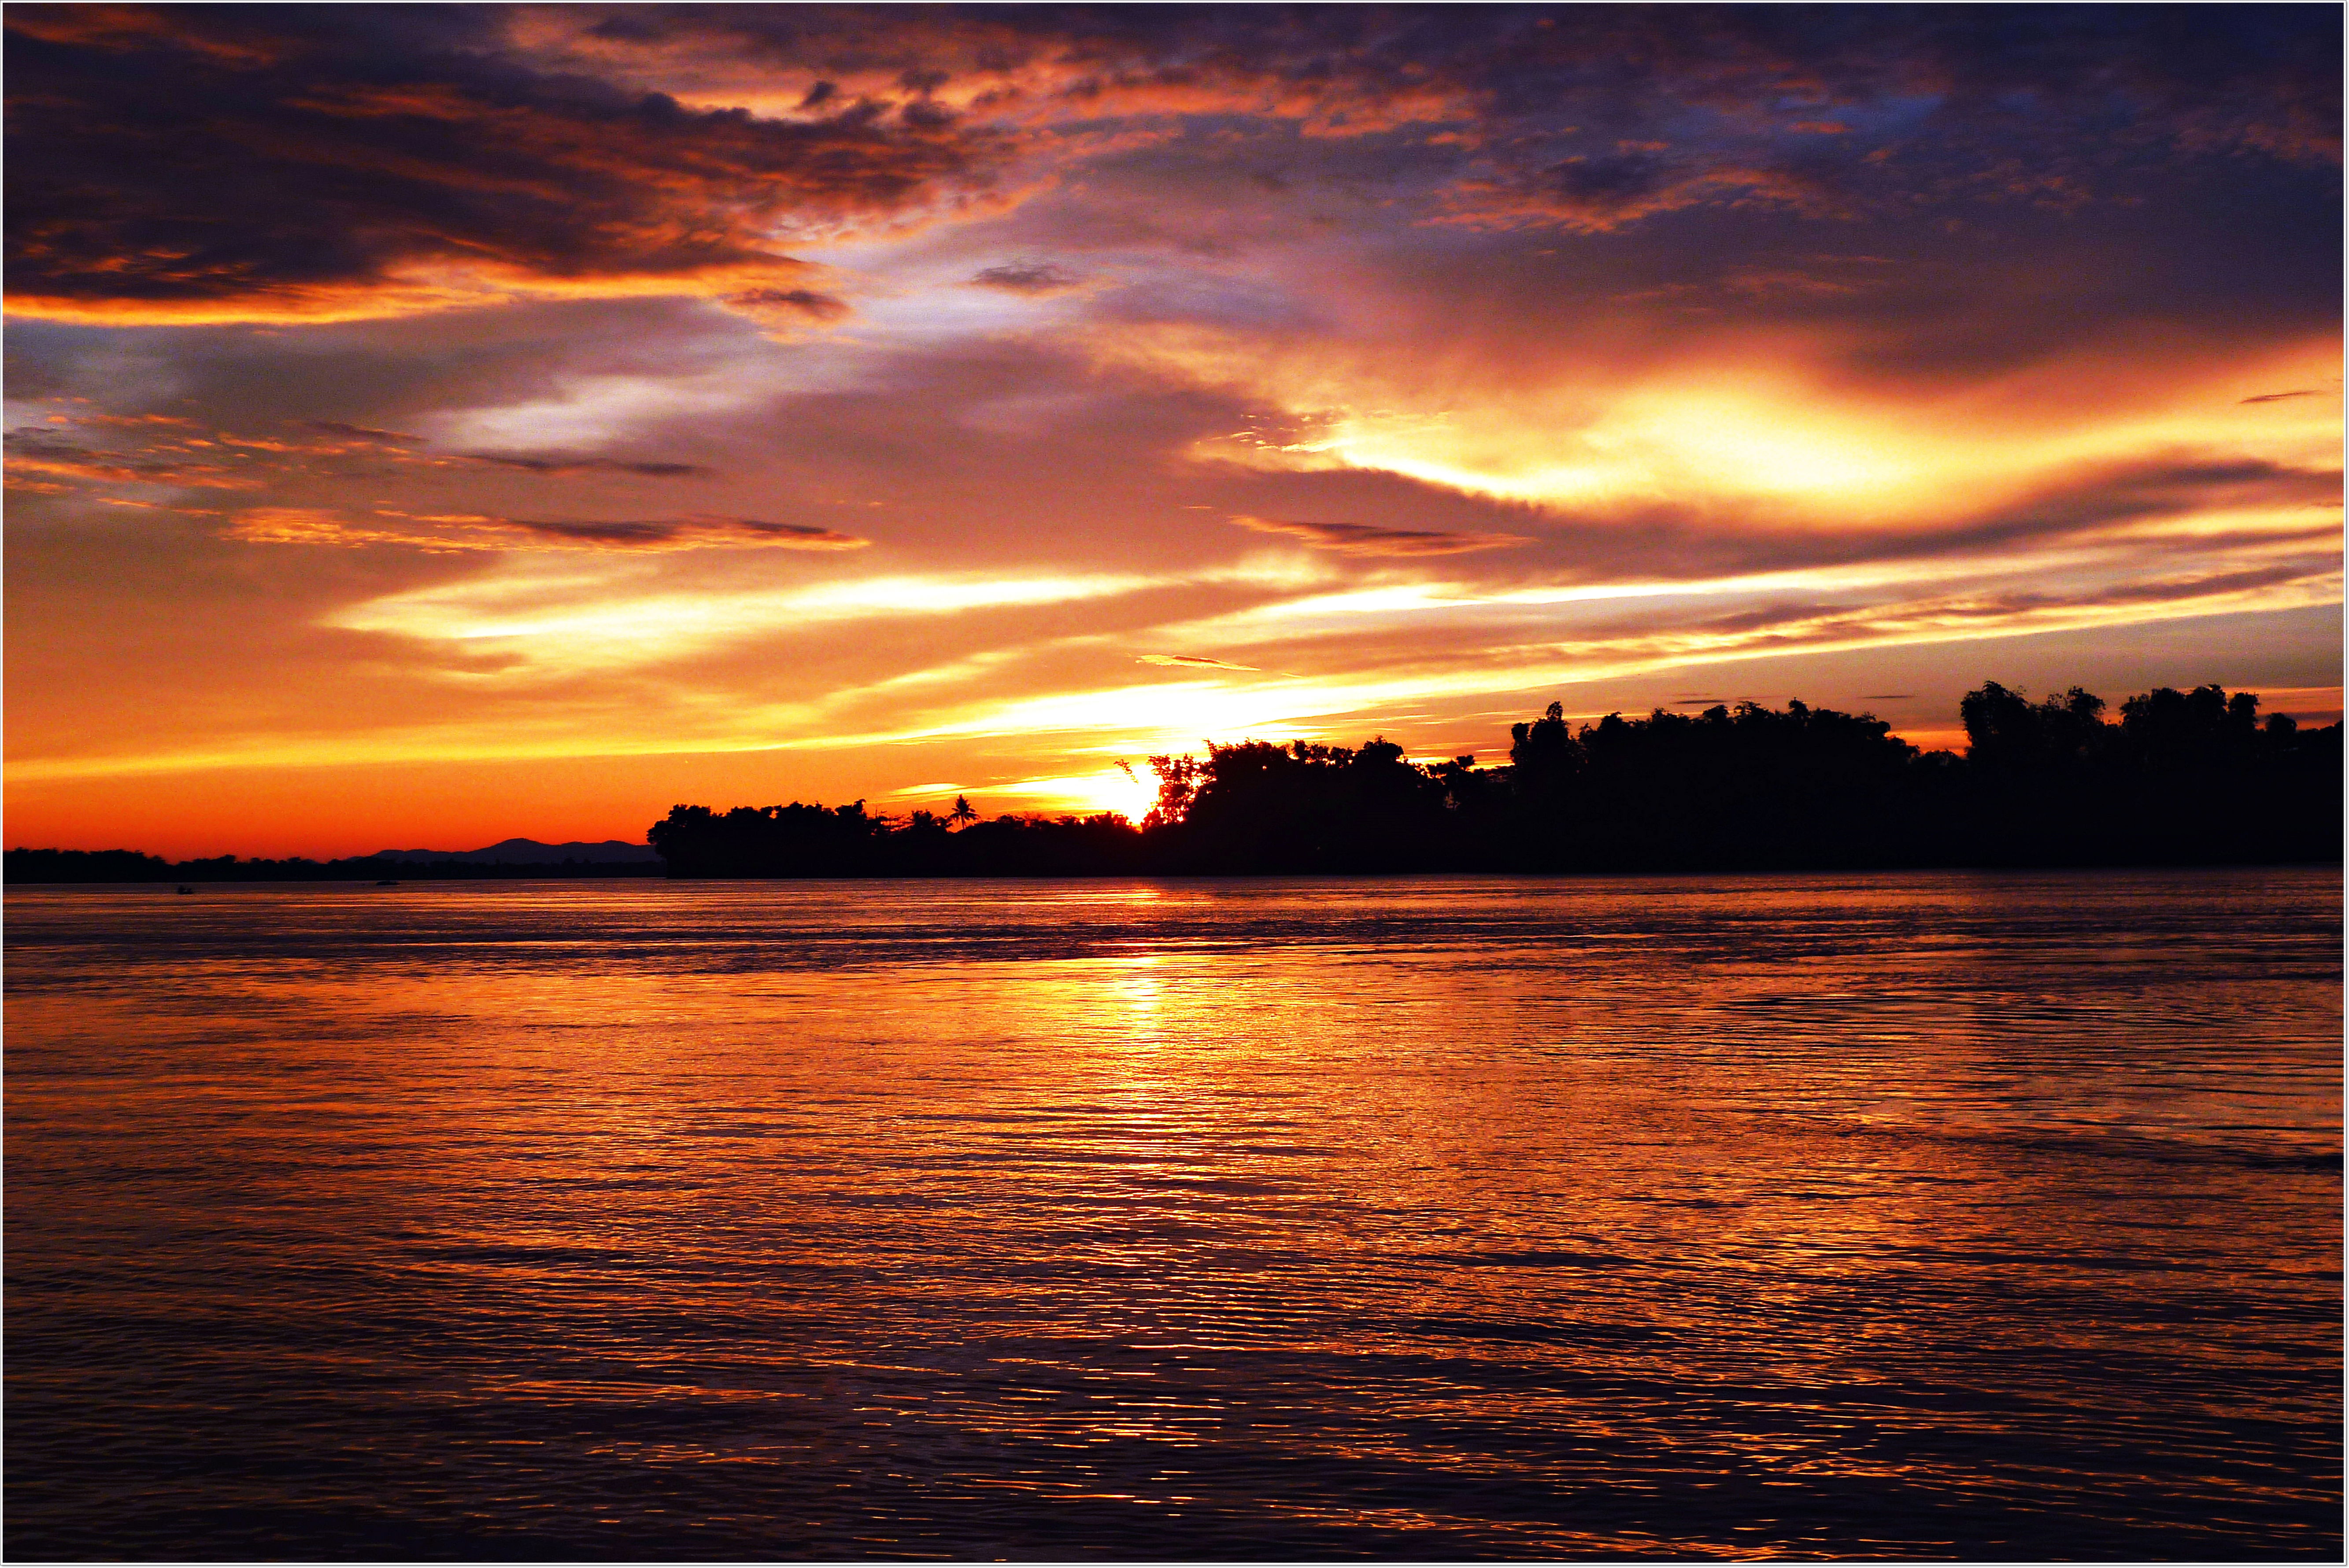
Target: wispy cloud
[(800, 304), (363, 433), (1365, 539), (1028, 278), (568, 463), (469, 534), (1190, 661)]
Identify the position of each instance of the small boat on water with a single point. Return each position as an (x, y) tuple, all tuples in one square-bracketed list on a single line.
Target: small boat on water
[(184, 888), (387, 882)]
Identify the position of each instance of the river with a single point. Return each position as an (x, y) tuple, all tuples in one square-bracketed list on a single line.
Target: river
[(1994, 1215)]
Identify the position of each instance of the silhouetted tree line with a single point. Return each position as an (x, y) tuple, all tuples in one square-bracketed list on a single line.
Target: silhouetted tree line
[(798, 841), (2180, 778), (22, 865)]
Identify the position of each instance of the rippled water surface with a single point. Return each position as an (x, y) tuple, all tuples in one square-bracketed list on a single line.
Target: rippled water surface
[(1926, 1214)]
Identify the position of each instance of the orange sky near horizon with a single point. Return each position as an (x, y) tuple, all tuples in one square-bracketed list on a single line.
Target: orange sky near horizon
[(425, 428)]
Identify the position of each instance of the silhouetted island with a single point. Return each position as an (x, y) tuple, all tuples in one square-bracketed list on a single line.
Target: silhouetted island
[(130, 865), (2179, 778)]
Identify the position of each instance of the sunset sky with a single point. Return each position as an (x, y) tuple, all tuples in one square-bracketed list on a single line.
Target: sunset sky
[(428, 426)]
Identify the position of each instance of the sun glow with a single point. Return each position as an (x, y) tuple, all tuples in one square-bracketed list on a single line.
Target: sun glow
[(1757, 422), (1130, 791)]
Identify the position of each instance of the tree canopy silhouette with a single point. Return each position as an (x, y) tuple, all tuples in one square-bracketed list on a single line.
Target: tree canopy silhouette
[(2182, 777)]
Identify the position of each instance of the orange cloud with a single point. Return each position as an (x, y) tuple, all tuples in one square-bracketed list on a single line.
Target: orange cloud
[(33, 455)]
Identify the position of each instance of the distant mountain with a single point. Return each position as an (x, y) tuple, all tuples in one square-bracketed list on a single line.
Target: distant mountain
[(529, 852)]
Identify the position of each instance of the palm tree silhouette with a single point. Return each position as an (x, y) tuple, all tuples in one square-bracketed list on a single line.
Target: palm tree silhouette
[(962, 815)]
